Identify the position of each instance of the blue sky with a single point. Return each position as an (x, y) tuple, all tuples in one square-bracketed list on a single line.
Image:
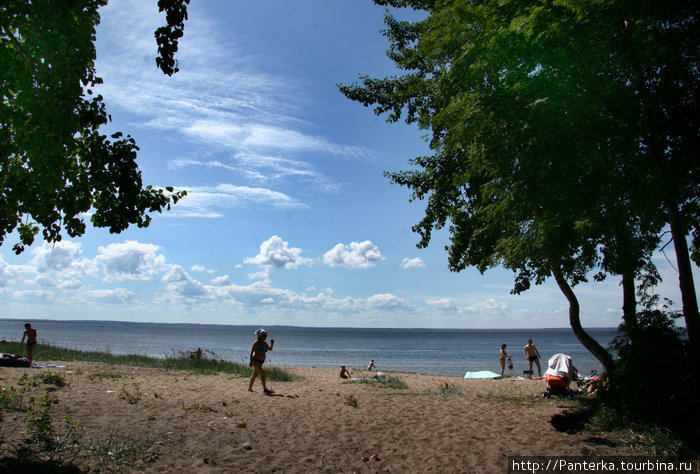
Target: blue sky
[(289, 219)]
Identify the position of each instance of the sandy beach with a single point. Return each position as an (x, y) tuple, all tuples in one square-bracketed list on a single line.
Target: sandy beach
[(201, 423)]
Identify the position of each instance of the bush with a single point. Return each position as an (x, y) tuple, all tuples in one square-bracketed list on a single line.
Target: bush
[(654, 380)]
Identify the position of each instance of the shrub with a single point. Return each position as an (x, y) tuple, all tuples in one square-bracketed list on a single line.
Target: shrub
[(655, 362)]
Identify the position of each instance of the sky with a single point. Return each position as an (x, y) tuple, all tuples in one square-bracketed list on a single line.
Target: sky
[(288, 218)]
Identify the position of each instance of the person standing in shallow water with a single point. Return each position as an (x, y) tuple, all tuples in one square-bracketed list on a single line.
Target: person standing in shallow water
[(30, 335), (258, 354)]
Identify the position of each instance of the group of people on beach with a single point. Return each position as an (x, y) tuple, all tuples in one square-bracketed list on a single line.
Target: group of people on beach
[(260, 348), (532, 355)]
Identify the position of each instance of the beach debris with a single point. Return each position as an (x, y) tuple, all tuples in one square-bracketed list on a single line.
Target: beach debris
[(374, 457), (246, 445)]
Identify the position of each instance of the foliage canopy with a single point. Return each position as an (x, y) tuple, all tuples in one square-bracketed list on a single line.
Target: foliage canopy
[(55, 165), (563, 134)]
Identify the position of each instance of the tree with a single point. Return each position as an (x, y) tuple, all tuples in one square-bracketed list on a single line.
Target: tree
[(55, 165), (540, 137)]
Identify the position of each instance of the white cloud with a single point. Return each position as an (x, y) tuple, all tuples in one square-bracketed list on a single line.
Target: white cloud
[(114, 296), (275, 252), (412, 263), (221, 280), (130, 260), (263, 168), (183, 285), (61, 258), (443, 304), (34, 296), (7, 272), (489, 305), (200, 268), (388, 302), (209, 201), (355, 255)]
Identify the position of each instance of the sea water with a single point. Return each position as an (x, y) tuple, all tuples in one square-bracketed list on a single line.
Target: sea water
[(434, 351)]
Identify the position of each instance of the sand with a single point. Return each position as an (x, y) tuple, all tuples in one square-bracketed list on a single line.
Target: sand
[(192, 421)]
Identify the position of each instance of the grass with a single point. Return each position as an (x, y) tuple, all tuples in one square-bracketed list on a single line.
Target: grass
[(350, 400), (517, 397), (447, 388), (178, 361), (121, 452), (646, 439), (389, 381)]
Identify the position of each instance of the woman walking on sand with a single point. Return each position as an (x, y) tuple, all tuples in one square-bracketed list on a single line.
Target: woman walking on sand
[(258, 354)]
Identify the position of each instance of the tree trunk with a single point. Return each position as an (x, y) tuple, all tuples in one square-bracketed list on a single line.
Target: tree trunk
[(685, 279), (629, 300), (588, 342)]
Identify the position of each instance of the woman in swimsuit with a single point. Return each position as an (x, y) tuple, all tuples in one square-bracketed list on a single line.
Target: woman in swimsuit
[(258, 354), (30, 334), (503, 355)]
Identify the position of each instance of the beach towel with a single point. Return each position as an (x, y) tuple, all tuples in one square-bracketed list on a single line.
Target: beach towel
[(12, 360), (483, 374), (560, 366)]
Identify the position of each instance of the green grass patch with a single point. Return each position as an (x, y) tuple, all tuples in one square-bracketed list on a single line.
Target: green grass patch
[(644, 438), (447, 388), (195, 407), (50, 378), (389, 381), (101, 376), (178, 361), (517, 397), (12, 399), (350, 400)]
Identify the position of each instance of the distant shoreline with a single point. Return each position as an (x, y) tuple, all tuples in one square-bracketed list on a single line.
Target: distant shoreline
[(283, 326)]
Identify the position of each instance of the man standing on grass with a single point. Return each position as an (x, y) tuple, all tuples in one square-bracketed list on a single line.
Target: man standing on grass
[(532, 355)]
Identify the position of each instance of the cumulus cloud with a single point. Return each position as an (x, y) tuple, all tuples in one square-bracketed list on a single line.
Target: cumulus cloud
[(130, 260), (60, 260), (200, 268), (222, 280), (442, 304), (412, 263), (7, 273), (114, 296), (55, 257), (388, 302), (488, 305), (355, 255), (32, 296), (275, 252), (181, 284)]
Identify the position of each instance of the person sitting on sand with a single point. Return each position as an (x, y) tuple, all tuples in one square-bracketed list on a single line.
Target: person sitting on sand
[(532, 355), (560, 373), (503, 355), (599, 383), (30, 334), (344, 373), (258, 354)]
